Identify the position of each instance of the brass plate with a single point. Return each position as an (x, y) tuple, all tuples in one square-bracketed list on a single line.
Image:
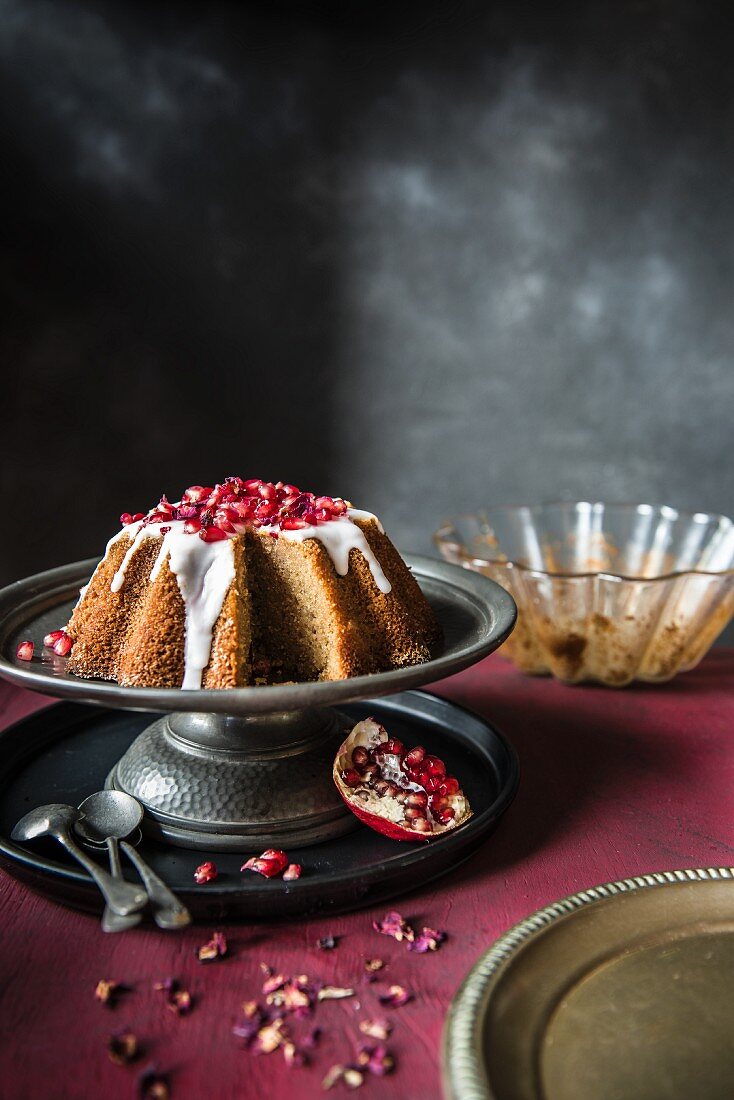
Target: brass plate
[(623, 992)]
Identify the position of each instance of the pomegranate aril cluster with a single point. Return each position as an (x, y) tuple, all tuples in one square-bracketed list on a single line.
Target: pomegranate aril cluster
[(416, 769), (230, 508)]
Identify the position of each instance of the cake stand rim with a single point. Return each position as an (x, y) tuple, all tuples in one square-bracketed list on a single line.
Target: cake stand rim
[(494, 610)]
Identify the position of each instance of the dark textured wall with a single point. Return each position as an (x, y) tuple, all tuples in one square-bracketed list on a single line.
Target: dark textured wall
[(460, 254)]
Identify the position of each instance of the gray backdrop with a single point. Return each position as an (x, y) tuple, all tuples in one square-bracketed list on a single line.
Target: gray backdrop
[(430, 260)]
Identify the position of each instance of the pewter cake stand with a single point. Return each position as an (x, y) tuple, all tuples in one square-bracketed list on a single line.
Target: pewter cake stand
[(238, 768)]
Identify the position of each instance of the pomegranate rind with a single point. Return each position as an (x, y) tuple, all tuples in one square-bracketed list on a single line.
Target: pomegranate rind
[(375, 811)]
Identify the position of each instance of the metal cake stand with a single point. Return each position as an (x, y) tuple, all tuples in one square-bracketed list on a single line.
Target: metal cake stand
[(233, 769)]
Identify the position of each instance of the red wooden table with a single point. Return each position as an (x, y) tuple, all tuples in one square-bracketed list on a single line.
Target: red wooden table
[(614, 783)]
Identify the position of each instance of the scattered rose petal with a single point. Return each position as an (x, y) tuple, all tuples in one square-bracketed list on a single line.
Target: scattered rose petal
[(273, 982), (395, 996), (293, 1056), (334, 993), (153, 1085), (205, 872), (335, 1074), (376, 1059), (269, 1038), (292, 871), (180, 1002), (327, 943), (430, 939), (122, 1048), (108, 991), (373, 965), (249, 1009), (377, 1027), (24, 652), (292, 996), (392, 924), (214, 949), (353, 1078)]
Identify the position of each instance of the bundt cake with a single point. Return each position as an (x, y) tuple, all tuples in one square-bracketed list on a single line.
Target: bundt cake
[(249, 582)]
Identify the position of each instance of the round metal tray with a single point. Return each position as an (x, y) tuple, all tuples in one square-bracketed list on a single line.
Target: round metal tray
[(64, 752), (621, 991)]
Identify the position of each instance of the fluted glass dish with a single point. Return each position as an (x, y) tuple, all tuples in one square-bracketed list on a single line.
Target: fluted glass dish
[(609, 593)]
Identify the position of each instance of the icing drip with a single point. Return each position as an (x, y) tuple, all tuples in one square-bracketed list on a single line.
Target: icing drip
[(338, 538), (204, 572)]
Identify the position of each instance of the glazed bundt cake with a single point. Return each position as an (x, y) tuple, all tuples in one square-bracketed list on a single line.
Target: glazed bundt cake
[(249, 582)]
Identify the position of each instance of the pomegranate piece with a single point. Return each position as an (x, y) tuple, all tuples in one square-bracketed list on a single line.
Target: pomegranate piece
[(292, 871), (271, 863), (403, 793), (24, 652), (62, 645), (54, 636), (205, 872)]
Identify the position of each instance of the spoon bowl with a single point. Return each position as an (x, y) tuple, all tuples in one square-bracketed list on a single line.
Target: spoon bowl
[(108, 814), (51, 820)]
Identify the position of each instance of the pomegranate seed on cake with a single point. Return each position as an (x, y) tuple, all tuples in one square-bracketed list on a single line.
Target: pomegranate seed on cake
[(248, 575)]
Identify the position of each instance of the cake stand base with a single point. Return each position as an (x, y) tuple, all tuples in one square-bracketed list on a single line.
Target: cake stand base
[(221, 783)]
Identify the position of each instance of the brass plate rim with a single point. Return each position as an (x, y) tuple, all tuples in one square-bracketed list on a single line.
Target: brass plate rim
[(463, 1073)]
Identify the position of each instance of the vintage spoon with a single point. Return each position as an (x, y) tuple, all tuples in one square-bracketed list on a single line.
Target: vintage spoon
[(57, 820), (113, 815), (107, 816)]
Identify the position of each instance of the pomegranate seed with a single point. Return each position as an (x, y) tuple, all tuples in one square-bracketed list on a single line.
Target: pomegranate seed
[(413, 813), (430, 783), (205, 872), (197, 493), (24, 652), (448, 785), (433, 766), (49, 639), (271, 863), (444, 816), (352, 778), (138, 516), (360, 757), (381, 787), (191, 526), (266, 490), (421, 825), (395, 746), (125, 519), (415, 756), (62, 646), (417, 798), (212, 534), (292, 871)]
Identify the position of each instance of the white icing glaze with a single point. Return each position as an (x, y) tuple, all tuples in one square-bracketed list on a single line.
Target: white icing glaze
[(204, 571), (338, 537)]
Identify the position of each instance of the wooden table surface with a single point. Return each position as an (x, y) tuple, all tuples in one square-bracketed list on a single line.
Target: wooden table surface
[(614, 783)]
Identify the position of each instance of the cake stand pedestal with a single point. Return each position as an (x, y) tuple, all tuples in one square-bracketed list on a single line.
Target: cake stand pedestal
[(238, 768)]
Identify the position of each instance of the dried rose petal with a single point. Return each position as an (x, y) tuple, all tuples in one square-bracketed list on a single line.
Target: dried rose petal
[(372, 965), (395, 996), (180, 1002), (377, 1028), (292, 871), (327, 943), (24, 652), (335, 1074), (205, 872), (334, 993), (392, 924), (430, 939), (122, 1047), (269, 1038), (273, 982), (153, 1085), (376, 1059), (108, 991), (293, 1056), (352, 1077), (214, 949)]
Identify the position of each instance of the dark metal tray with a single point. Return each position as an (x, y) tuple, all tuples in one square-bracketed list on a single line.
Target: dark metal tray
[(64, 753)]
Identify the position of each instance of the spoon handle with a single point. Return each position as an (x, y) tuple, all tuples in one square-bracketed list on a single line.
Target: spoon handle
[(168, 911), (112, 921), (122, 896)]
